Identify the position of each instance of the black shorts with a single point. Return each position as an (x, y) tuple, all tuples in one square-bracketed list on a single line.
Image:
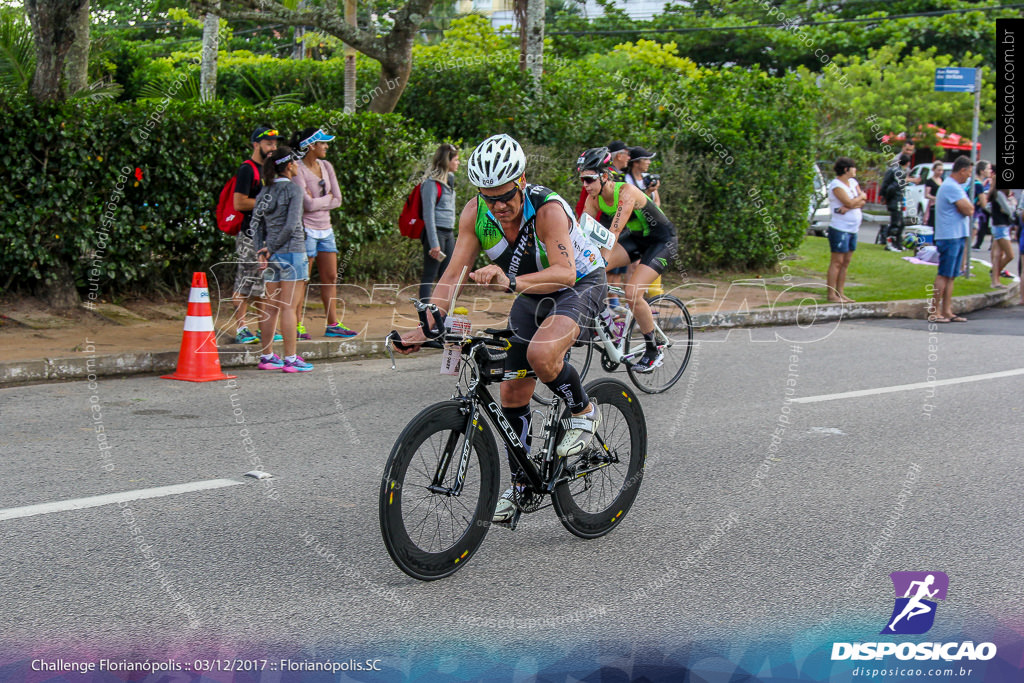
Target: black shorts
[(653, 251), (581, 303)]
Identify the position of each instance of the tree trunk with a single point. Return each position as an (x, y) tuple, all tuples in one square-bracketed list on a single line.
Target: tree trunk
[(394, 76), (298, 44), (58, 287), (519, 14), (350, 61), (393, 50), (76, 68), (53, 30), (534, 32), (208, 68)]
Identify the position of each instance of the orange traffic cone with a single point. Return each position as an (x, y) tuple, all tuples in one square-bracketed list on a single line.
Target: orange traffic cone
[(198, 359)]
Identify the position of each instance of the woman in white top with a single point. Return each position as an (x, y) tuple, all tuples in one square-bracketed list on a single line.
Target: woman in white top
[(844, 199)]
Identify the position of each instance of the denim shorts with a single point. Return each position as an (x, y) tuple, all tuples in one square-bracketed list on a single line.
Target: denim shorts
[(951, 256), (1000, 232), (287, 268), (841, 242), (317, 244)]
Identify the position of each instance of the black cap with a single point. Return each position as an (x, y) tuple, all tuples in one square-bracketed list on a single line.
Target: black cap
[(636, 153), (616, 146), (265, 133)]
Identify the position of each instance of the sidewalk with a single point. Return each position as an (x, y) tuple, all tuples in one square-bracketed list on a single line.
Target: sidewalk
[(144, 337)]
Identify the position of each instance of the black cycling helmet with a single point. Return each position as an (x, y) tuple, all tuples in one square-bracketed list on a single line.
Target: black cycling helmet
[(597, 160)]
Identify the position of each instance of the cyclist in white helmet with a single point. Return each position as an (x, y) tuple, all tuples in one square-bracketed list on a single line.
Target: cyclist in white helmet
[(538, 252)]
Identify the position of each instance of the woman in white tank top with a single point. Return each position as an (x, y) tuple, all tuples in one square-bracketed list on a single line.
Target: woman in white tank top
[(845, 199)]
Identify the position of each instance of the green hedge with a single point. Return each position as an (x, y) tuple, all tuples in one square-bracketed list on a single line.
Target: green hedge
[(73, 211), (721, 136)]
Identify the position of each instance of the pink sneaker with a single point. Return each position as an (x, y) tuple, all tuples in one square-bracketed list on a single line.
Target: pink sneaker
[(272, 363), (298, 365)]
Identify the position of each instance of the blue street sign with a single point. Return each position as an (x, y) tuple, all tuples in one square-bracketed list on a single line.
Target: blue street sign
[(955, 79)]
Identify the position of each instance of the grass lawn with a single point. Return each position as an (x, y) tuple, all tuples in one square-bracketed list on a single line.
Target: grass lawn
[(879, 275)]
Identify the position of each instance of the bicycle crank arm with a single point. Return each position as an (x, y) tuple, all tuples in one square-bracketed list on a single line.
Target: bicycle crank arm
[(512, 523)]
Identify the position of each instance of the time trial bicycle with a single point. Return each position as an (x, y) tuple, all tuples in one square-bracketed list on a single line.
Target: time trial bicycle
[(441, 481)]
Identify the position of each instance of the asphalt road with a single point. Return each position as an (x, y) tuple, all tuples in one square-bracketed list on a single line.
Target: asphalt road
[(772, 504)]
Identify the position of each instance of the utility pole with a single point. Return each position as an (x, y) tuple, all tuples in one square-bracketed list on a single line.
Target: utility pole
[(974, 161)]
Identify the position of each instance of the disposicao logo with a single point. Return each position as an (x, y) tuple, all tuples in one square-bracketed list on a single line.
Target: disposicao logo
[(914, 614)]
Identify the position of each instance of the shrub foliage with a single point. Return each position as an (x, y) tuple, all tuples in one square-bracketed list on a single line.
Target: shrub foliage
[(121, 195)]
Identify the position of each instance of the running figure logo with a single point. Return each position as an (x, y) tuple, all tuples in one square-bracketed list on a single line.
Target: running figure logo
[(914, 612)]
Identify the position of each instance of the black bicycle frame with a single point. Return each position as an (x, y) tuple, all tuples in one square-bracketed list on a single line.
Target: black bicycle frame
[(508, 435)]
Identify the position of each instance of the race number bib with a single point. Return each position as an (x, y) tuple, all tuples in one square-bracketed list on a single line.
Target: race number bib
[(597, 233)]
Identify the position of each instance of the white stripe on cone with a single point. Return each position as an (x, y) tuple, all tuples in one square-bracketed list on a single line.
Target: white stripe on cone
[(199, 295), (195, 323)]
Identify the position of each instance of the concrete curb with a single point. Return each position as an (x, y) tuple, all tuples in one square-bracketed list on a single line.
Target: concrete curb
[(820, 313), (91, 366)]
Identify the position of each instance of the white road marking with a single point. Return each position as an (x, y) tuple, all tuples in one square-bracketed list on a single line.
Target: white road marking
[(908, 387), (109, 498)]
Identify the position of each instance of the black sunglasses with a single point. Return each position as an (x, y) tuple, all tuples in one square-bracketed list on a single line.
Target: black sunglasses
[(504, 198), (323, 187), (587, 179)]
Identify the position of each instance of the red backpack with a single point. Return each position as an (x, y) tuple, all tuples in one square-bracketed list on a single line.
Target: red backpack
[(229, 219), (410, 221)]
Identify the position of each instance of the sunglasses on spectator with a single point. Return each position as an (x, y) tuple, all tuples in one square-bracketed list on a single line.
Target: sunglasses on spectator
[(505, 197)]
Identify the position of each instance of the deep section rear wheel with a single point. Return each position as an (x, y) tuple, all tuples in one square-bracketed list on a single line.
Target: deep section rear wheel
[(674, 336), (431, 533), (603, 481)]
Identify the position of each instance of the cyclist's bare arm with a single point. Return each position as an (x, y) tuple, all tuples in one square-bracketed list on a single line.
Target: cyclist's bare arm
[(467, 248), (629, 198)]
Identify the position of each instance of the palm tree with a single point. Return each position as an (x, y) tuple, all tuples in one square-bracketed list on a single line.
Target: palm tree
[(17, 53)]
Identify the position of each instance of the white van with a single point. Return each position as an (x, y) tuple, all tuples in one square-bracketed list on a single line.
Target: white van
[(819, 213)]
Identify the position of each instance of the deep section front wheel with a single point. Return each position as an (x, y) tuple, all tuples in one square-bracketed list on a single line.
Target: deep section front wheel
[(430, 529), (601, 483), (674, 336)]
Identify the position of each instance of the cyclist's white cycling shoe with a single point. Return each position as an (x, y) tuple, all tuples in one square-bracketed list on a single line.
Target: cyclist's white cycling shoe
[(579, 430), (505, 508), (647, 362)]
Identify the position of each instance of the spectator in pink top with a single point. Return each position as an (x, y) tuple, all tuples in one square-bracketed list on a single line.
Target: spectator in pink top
[(321, 194)]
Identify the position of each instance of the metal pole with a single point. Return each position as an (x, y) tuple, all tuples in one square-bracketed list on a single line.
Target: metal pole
[(974, 162)]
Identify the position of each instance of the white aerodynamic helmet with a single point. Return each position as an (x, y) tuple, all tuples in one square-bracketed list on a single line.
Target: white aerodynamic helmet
[(496, 161)]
